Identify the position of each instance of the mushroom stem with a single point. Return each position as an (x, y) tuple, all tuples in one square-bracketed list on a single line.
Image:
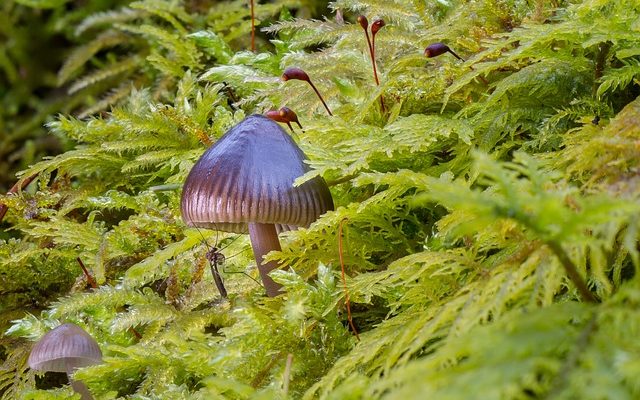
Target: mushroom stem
[(77, 386), (264, 239)]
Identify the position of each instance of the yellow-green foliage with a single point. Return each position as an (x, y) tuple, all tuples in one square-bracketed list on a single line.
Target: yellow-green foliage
[(35, 38), (471, 208)]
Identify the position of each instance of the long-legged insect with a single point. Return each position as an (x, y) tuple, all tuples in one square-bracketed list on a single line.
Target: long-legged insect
[(222, 260), (215, 257)]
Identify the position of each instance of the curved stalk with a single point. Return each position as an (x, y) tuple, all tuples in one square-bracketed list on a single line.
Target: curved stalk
[(253, 27), (297, 73), (572, 272)]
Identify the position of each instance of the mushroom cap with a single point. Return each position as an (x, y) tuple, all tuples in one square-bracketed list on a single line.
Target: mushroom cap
[(66, 345), (247, 177)]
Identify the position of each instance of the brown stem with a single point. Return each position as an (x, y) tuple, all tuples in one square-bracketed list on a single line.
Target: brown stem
[(373, 61), (20, 185), (320, 97), (455, 55), (344, 281), (299, 74), (264, 239), (135, 333), (482, 78), (290, 127), (253, 27), (90, 280), (81, 389), (375, 71), (372, 53), (572, 272)]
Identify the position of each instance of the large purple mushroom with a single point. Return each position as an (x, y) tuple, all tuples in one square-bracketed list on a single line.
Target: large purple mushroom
[(245, 182)]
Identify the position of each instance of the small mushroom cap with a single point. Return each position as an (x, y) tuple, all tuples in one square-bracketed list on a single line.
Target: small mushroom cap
[(247, 176), (435, 49), (65, 346)]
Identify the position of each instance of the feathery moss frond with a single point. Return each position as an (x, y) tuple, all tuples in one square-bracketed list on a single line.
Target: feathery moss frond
[(490, 199)]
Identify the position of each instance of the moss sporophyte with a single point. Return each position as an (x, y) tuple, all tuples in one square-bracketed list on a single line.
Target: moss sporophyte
[(298, 74)]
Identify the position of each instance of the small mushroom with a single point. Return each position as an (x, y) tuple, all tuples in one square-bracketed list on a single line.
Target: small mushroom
[(65, 349), (245, 181)]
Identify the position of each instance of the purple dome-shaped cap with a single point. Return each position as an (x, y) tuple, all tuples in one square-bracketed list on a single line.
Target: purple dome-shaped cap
[(247, 177), (63, 348)]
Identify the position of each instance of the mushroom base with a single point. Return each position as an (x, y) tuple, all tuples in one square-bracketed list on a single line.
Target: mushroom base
[(264, 238)]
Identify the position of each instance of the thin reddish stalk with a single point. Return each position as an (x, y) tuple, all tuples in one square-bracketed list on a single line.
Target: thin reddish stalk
[(19, 186), (455, 55), (375, 28), (90, 280), (344, 281), (299, 74), (572, 272), (253, 28), (135, 333), (375, 71), (320, 97), (373, 61), (371, 45)]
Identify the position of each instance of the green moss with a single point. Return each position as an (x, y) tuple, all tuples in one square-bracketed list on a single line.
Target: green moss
[(471, 209)]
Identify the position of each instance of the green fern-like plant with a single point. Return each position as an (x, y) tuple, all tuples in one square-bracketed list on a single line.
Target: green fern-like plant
[(486, 220)]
